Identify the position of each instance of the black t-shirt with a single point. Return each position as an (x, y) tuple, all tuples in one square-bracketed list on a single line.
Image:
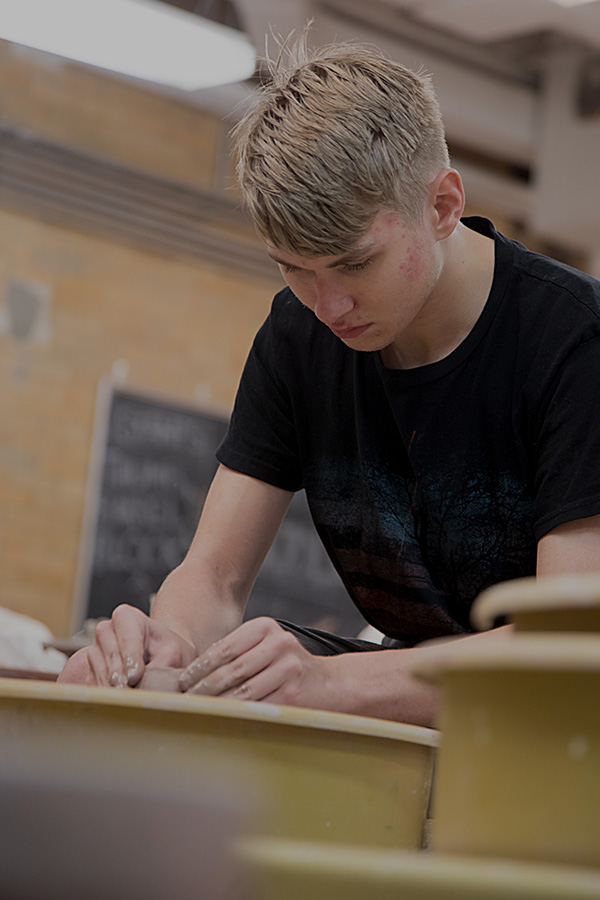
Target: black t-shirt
[(427, 485)]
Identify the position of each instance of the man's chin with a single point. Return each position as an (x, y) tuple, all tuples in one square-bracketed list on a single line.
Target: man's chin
[(366, 342)]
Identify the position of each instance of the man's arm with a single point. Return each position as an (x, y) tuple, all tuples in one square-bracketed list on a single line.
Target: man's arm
[(572, 547), (203, 599), (258, 661)]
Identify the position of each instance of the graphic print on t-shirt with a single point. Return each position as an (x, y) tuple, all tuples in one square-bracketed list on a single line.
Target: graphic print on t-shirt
[(387, 533)]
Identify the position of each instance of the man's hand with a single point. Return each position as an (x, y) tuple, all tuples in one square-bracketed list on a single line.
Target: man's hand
[(124, 645), (262, 661)]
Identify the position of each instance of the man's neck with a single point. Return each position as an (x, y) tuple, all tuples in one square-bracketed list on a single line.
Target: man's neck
[(453, 307)]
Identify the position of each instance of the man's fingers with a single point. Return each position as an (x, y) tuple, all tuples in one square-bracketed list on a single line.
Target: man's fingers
[(98, 668), (105, 660), (227, 651), (130, 627), (277, 654), (280, 682), (230, 675), (121, 641), (266, 684), (124, 645)]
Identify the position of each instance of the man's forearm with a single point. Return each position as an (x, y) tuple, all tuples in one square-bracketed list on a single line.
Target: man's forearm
[(381, 683)]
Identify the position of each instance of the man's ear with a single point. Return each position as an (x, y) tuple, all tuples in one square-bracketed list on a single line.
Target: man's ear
[(446, 202)]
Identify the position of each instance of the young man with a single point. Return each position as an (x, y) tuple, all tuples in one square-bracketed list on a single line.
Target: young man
[(433, 386)]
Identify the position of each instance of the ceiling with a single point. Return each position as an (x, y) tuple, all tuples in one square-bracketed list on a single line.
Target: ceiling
[(512, 36), (518, 82), (488, 22)]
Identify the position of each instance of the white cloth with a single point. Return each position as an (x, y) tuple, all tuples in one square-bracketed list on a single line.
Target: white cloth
[(22, 644)]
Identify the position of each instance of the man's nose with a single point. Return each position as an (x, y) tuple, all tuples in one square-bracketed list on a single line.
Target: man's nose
[(332, 301)]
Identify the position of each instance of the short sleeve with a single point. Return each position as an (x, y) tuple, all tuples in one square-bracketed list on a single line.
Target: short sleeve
[(261, 440), (567, 485)]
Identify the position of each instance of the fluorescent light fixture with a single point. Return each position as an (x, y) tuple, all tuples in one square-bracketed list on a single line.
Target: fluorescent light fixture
[(141, 38), (573, 2)]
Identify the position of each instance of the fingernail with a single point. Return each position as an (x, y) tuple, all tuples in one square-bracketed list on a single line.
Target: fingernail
[(131, 668), (118, 680), (185, 680), (190, 675)]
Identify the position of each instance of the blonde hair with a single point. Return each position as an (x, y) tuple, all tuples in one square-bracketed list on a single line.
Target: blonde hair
[(334, 137)]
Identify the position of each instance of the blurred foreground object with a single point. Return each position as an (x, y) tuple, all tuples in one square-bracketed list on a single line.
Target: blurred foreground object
[(297, 870), (518, 774), (115, 836), (564, 603), (306, 774), (25, 644)]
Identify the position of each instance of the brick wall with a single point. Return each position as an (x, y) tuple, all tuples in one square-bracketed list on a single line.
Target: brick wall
[(183, 327)]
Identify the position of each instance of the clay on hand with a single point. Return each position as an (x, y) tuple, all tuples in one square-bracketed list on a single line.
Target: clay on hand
[(160, 678)]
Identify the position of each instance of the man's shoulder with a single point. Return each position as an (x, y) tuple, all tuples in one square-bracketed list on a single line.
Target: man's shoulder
[(538, 278), (563, 293), (547, 271)]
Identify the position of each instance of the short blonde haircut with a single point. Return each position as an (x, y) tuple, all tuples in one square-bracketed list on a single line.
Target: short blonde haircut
[(333, 138)]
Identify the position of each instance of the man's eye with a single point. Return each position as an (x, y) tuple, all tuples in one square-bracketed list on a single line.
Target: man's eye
[(356, 267), (348, 267)]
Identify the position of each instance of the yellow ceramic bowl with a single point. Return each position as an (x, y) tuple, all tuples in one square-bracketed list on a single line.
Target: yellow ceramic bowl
[(296, 871), (554, 603), (310, 774), (518, 773)]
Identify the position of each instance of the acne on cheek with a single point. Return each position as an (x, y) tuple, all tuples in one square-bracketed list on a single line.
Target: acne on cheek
[(412, 265)]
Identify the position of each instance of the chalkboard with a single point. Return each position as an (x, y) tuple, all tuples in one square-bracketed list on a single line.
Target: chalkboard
[(156, 463)]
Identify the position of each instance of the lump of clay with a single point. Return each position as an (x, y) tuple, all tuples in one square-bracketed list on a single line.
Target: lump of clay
[(160, 678)]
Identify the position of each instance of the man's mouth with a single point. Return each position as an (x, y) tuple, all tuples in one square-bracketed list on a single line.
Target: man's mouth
[(347, 333)]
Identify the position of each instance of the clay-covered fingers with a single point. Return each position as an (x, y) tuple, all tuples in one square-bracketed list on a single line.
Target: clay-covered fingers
[(118, 657), (208, 673), (231, 675), (105, 657), (276, 683), (123, 646), (218, 654), (226, 663), (246, 664)]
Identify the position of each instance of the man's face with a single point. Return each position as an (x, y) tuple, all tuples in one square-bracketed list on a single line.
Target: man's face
[(377, 293)]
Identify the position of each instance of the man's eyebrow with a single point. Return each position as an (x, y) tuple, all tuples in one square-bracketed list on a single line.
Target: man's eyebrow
[(356, 253)]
